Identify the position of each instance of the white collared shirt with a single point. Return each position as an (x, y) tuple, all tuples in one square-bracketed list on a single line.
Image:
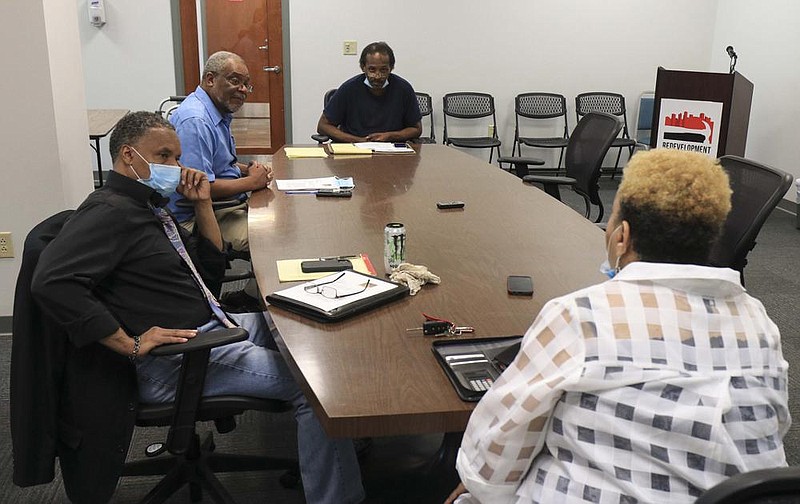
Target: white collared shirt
[(650, 387)]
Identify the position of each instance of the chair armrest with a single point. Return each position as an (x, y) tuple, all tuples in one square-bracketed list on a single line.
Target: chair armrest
[(320, 138), (211, 339), (191, 382), (215, 204), (544, 179)]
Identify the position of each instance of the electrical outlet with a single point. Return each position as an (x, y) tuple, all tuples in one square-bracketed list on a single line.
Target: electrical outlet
[(349, 47), (491, 130), (6, 245)]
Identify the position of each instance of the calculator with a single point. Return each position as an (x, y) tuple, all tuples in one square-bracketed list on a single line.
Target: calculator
[(473, 365)]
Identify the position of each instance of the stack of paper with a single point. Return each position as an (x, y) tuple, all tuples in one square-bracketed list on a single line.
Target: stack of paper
[(314, 184), (305, 152), (386, 147), (343, 148)]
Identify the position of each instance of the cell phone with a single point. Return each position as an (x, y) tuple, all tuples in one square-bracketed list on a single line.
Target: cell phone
[(326, 265), (519, 285), (401, 145), (442, 205), (334, 193)]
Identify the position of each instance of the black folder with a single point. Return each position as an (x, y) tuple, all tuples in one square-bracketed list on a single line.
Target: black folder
[(345, 310), (472, 365)]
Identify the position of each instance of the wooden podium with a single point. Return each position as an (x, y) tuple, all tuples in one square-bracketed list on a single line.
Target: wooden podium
[(733, 91)]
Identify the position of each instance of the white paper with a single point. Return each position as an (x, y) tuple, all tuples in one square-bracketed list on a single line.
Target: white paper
[(383, 147), (312, 184), (350, 281)]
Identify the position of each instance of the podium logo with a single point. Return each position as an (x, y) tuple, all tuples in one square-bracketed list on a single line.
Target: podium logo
[(689, 125), (686, 127)]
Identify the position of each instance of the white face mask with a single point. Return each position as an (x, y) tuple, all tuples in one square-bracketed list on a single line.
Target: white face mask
[(605, 266), (366, 82)]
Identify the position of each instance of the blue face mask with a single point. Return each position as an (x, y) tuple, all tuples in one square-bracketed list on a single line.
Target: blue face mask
[(605, 266), (163, 178)]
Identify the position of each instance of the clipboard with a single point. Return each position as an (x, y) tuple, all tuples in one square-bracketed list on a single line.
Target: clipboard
[(472, 365), (376, 292)]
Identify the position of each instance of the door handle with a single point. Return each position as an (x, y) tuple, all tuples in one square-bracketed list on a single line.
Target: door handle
[(276, 69), (263, 47)]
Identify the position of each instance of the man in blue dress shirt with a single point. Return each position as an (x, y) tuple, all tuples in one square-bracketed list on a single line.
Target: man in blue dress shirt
[(203, 123)]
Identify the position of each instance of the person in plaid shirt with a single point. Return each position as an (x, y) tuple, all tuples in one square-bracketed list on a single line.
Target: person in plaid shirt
[(650, 387)]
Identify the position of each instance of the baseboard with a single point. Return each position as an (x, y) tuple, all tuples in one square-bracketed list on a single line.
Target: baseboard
[(5, 325), (788, 205)]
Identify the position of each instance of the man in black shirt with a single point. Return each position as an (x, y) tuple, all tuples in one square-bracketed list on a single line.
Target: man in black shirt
[(113, 277), (374, 106)]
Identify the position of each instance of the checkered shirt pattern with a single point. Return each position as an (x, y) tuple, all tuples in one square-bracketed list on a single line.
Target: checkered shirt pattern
[(651, 387)]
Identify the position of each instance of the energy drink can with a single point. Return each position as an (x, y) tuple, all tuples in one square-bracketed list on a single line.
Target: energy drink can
[(394, 249)]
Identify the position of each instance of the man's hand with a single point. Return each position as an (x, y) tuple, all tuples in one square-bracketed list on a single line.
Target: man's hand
[(259, 174), (194, 185), (379, 137), (157, 336), (460, 489)]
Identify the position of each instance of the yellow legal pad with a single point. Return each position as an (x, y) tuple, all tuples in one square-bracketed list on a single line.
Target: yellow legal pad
[(345, 148), (305, 152), (289, 269)]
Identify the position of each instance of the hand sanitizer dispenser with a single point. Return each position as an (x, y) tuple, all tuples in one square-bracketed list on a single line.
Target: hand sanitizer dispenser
[(97, 13)]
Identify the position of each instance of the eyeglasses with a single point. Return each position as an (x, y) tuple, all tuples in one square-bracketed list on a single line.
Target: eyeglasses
[(327, 290), (237, 82)]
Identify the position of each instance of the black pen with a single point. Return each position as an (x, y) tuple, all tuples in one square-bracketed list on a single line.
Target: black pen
[(337, 258)]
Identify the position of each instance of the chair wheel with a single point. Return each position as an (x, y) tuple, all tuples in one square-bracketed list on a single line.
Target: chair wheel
[(155, 449), (290, 479)]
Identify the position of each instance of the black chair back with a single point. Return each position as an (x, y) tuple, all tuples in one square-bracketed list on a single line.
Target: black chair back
[(780, 485), (757, 190), (468, 105), (426, 109), (586, 150), (541, 105), (321, 139)]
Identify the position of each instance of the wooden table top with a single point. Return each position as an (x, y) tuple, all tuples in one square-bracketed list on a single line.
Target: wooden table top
[(102, 121), (367, 376)]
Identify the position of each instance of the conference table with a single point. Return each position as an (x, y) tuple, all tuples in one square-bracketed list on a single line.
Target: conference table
[(368, 375)]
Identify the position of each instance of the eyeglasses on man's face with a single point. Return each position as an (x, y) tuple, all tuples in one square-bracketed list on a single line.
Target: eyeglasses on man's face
[(239, 82), (329, 291)]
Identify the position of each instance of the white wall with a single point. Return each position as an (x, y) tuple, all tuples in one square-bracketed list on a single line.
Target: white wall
[(766, 39), (130, 62), (565, 46), (43, 129), (562, 46)]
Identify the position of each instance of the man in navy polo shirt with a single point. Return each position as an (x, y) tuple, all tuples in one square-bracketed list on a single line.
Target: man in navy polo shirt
[(374, 106)]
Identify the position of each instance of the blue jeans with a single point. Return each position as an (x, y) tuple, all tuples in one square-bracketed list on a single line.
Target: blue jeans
[(329, 467)]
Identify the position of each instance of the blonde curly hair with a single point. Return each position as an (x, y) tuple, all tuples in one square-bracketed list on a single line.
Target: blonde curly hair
[(676, 203)]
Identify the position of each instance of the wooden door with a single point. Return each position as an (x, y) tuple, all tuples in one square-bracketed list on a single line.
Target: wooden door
[(252, 29)]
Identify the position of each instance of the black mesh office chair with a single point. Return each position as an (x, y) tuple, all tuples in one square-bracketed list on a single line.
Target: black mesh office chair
[(609, 103), (471, 107), (41, 356), (757, 190), (426, 109), (780, 485), (586, 149), (319, 138)]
